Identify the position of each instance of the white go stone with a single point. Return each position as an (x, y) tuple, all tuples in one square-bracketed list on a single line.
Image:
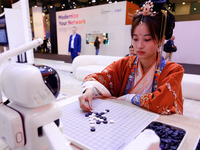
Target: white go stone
[(92, 125), (92, 122), (105, 112), (90, 119), (91, 116), (103, 115), (112, 121), (101, 120)]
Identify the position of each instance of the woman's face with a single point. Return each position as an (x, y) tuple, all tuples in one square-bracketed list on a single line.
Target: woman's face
[(145, 47)]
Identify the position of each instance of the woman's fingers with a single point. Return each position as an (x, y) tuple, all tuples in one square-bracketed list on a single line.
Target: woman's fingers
[(90, 102), (82, 101)]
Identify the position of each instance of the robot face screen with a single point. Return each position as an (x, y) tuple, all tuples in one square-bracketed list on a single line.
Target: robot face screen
[(51, 78)]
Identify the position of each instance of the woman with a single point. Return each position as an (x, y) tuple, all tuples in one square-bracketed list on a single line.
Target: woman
[(146, 80), (96, 44)]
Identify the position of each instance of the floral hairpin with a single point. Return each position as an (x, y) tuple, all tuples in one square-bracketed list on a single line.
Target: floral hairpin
[(146, 9)]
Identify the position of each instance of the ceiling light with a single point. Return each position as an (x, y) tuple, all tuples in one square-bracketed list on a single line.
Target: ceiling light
[(93, 1), (73, 2), (131, 1), (195, 8), (169, 8), (51, 6), (89, 2), (183, 3), (63, 4), (1, 6)]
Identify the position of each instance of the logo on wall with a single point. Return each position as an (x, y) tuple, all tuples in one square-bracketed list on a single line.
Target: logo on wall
[(104, 12), (64, 22), (118, 10)]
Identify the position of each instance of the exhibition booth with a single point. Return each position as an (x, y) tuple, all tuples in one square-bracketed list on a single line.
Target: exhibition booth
[(110, 22), (113, 22)]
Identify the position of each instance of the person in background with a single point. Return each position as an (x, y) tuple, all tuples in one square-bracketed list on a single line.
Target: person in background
[(46, 49), (146, 80), (131, 51), (97, 45), (169, 48), (49, 45), (74, 44)]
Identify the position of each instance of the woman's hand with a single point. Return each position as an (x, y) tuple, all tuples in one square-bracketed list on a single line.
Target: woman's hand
[(87, 96)]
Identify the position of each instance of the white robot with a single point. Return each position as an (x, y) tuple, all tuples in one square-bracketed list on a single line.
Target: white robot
[(30, 120)]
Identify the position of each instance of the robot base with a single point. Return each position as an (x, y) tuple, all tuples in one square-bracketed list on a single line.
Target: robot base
[(34, 119)]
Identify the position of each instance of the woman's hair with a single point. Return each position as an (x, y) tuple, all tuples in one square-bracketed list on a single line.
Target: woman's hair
[(97, 38), (155, 25), (131, 46)]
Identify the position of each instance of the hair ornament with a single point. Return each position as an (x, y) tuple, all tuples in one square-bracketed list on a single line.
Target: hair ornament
[(146, 9)]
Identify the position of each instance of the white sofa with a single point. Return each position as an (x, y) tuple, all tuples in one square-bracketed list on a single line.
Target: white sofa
[(86, 64), (191, 86)]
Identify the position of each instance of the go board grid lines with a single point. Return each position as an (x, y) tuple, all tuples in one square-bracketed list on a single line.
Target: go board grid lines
[(129, 122)]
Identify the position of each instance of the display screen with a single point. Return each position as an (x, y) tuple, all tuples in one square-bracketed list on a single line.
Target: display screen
[(3, 37), (103, 38)]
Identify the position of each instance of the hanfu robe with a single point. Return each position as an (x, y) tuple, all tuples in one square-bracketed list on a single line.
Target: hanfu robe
[(158, 89)]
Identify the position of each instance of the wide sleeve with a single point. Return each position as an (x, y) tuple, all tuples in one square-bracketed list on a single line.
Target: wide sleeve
[(112, 77), (167, 98)]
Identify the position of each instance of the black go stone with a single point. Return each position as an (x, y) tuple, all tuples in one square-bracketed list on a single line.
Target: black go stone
[(104, 118), (101, 113), (92, 129), (98, 122), (90, 113), (105, 121), (86, 115), (101, 117), (107, 110)]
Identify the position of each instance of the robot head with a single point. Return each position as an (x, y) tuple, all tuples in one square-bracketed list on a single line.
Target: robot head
[(30, 86)]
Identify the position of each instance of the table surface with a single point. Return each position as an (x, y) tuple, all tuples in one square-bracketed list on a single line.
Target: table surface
[(190, 124)]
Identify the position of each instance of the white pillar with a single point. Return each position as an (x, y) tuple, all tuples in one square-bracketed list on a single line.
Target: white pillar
[(19, 27)]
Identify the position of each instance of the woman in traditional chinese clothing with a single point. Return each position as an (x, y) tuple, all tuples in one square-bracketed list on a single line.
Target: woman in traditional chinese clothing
[(146, 80)]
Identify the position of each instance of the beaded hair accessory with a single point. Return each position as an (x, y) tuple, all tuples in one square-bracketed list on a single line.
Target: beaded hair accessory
[(146, 9)]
